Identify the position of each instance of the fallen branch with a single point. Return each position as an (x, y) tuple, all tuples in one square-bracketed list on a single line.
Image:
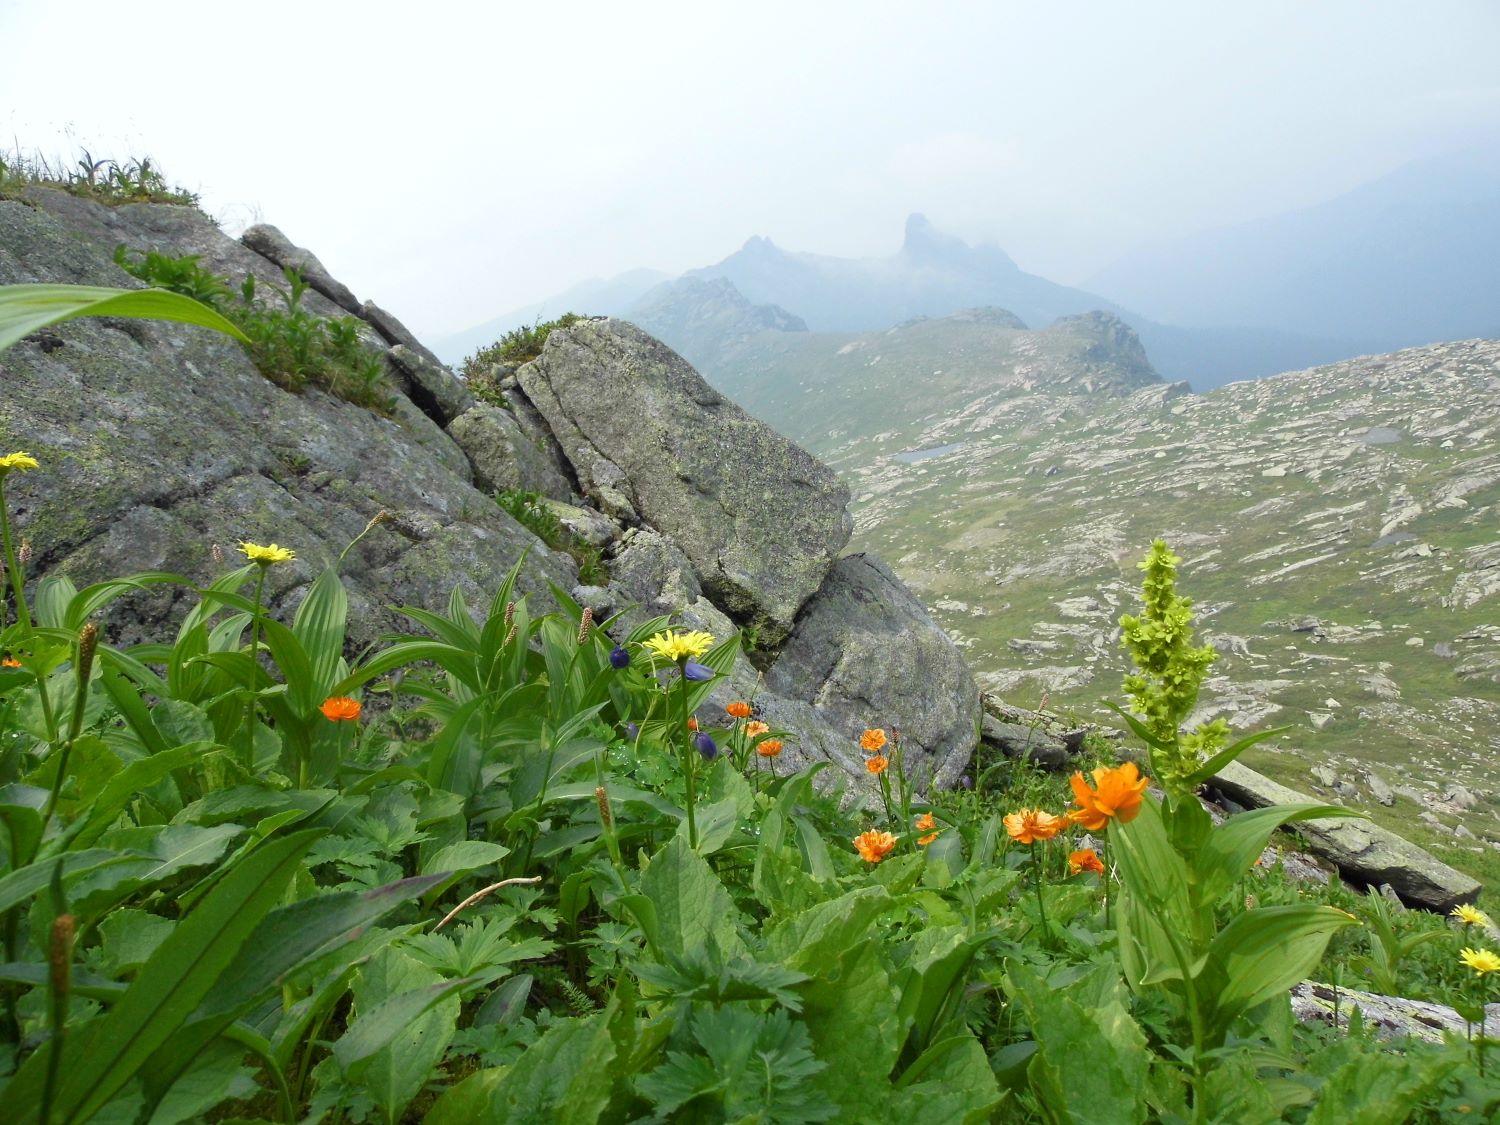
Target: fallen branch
[(479, 894)]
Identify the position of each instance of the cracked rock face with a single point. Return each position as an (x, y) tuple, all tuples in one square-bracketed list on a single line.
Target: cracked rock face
[(760, 519), (158, 440)]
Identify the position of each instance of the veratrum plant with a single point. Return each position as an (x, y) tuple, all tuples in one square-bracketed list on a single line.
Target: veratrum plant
[(1169, 671), (1164, 688)]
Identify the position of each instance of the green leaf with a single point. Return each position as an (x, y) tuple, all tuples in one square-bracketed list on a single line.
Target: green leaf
[(319, 625), (850, 1012), (378, 1028), (1230, 753), (817, 937), (396, 1072), (1265, 951), (105, 1054), (692, 906), (950, 1081), (25, 308), (564, 1078), (1234, 845), (1091, 1062), (129, 783)]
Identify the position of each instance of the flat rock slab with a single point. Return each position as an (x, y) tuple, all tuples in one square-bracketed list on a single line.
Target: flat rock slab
[(1391, 1017), (761, 519), (1363, 852)]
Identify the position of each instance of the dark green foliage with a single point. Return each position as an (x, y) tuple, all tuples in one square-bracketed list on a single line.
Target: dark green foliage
[(530, 510), (517, 346), (291, 346)]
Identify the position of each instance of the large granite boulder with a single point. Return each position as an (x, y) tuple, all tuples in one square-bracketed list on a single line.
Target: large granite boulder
[(1363, 852), (866, 654), (504, 458), (160, 440), (760, 519), (270, 243)]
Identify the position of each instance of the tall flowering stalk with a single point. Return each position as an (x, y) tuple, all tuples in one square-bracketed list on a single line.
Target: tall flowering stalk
[(264, 558), (14, 463), (683, 649)]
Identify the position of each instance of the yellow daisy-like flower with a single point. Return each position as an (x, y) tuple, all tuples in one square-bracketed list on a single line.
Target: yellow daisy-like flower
[(22, 462), (1470, 916), (1482, 961), (674, 646), (267, 556)]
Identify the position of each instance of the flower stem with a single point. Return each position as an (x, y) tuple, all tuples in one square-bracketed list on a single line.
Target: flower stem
[(12, 569), (1041, 906), (688, 765), (260, 586)]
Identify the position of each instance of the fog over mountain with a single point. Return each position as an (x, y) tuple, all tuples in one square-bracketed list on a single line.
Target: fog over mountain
[(1411, 258)]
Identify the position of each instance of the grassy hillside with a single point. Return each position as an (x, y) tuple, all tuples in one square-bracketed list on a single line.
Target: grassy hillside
[(1340, 531)]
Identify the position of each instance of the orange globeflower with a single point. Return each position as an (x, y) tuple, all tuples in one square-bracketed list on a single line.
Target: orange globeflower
[(874, 846), (877, 764), (755, 729), (768, 748), (872, 740), (739, 709), (340, 708), (1118, 796), (926, 823), (927, 839), (1030, 825), (692, 722), (9, 662), (1085, 859)]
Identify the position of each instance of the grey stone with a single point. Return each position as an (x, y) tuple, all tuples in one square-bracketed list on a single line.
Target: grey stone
[(1022, 742), (502, 456), (590, 526), (270, 243), (1363, 852), (392, 331), (1379, 789), (866, 654), (1390, 1017), (159, 440), (760, 519), (431, 386)]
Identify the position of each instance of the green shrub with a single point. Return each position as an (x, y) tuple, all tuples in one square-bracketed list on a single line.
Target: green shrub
[(517, 346), (289, 345), (530, 510)]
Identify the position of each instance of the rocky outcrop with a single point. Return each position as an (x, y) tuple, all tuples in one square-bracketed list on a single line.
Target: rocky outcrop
[(1363, 852), (760, 519), (164, 446), (161, 440)]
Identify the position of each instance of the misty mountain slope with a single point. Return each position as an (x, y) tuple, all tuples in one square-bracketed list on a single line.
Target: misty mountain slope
[(705, 319), (1341, 529), (900, 389), (1408, 259), (933, 274)]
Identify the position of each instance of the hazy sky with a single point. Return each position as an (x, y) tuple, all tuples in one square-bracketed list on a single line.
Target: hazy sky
[(455, 160)]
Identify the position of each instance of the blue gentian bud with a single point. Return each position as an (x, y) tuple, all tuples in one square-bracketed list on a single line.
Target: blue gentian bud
[(619, 656), (632, 731), (706, 746), (697, 672)]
